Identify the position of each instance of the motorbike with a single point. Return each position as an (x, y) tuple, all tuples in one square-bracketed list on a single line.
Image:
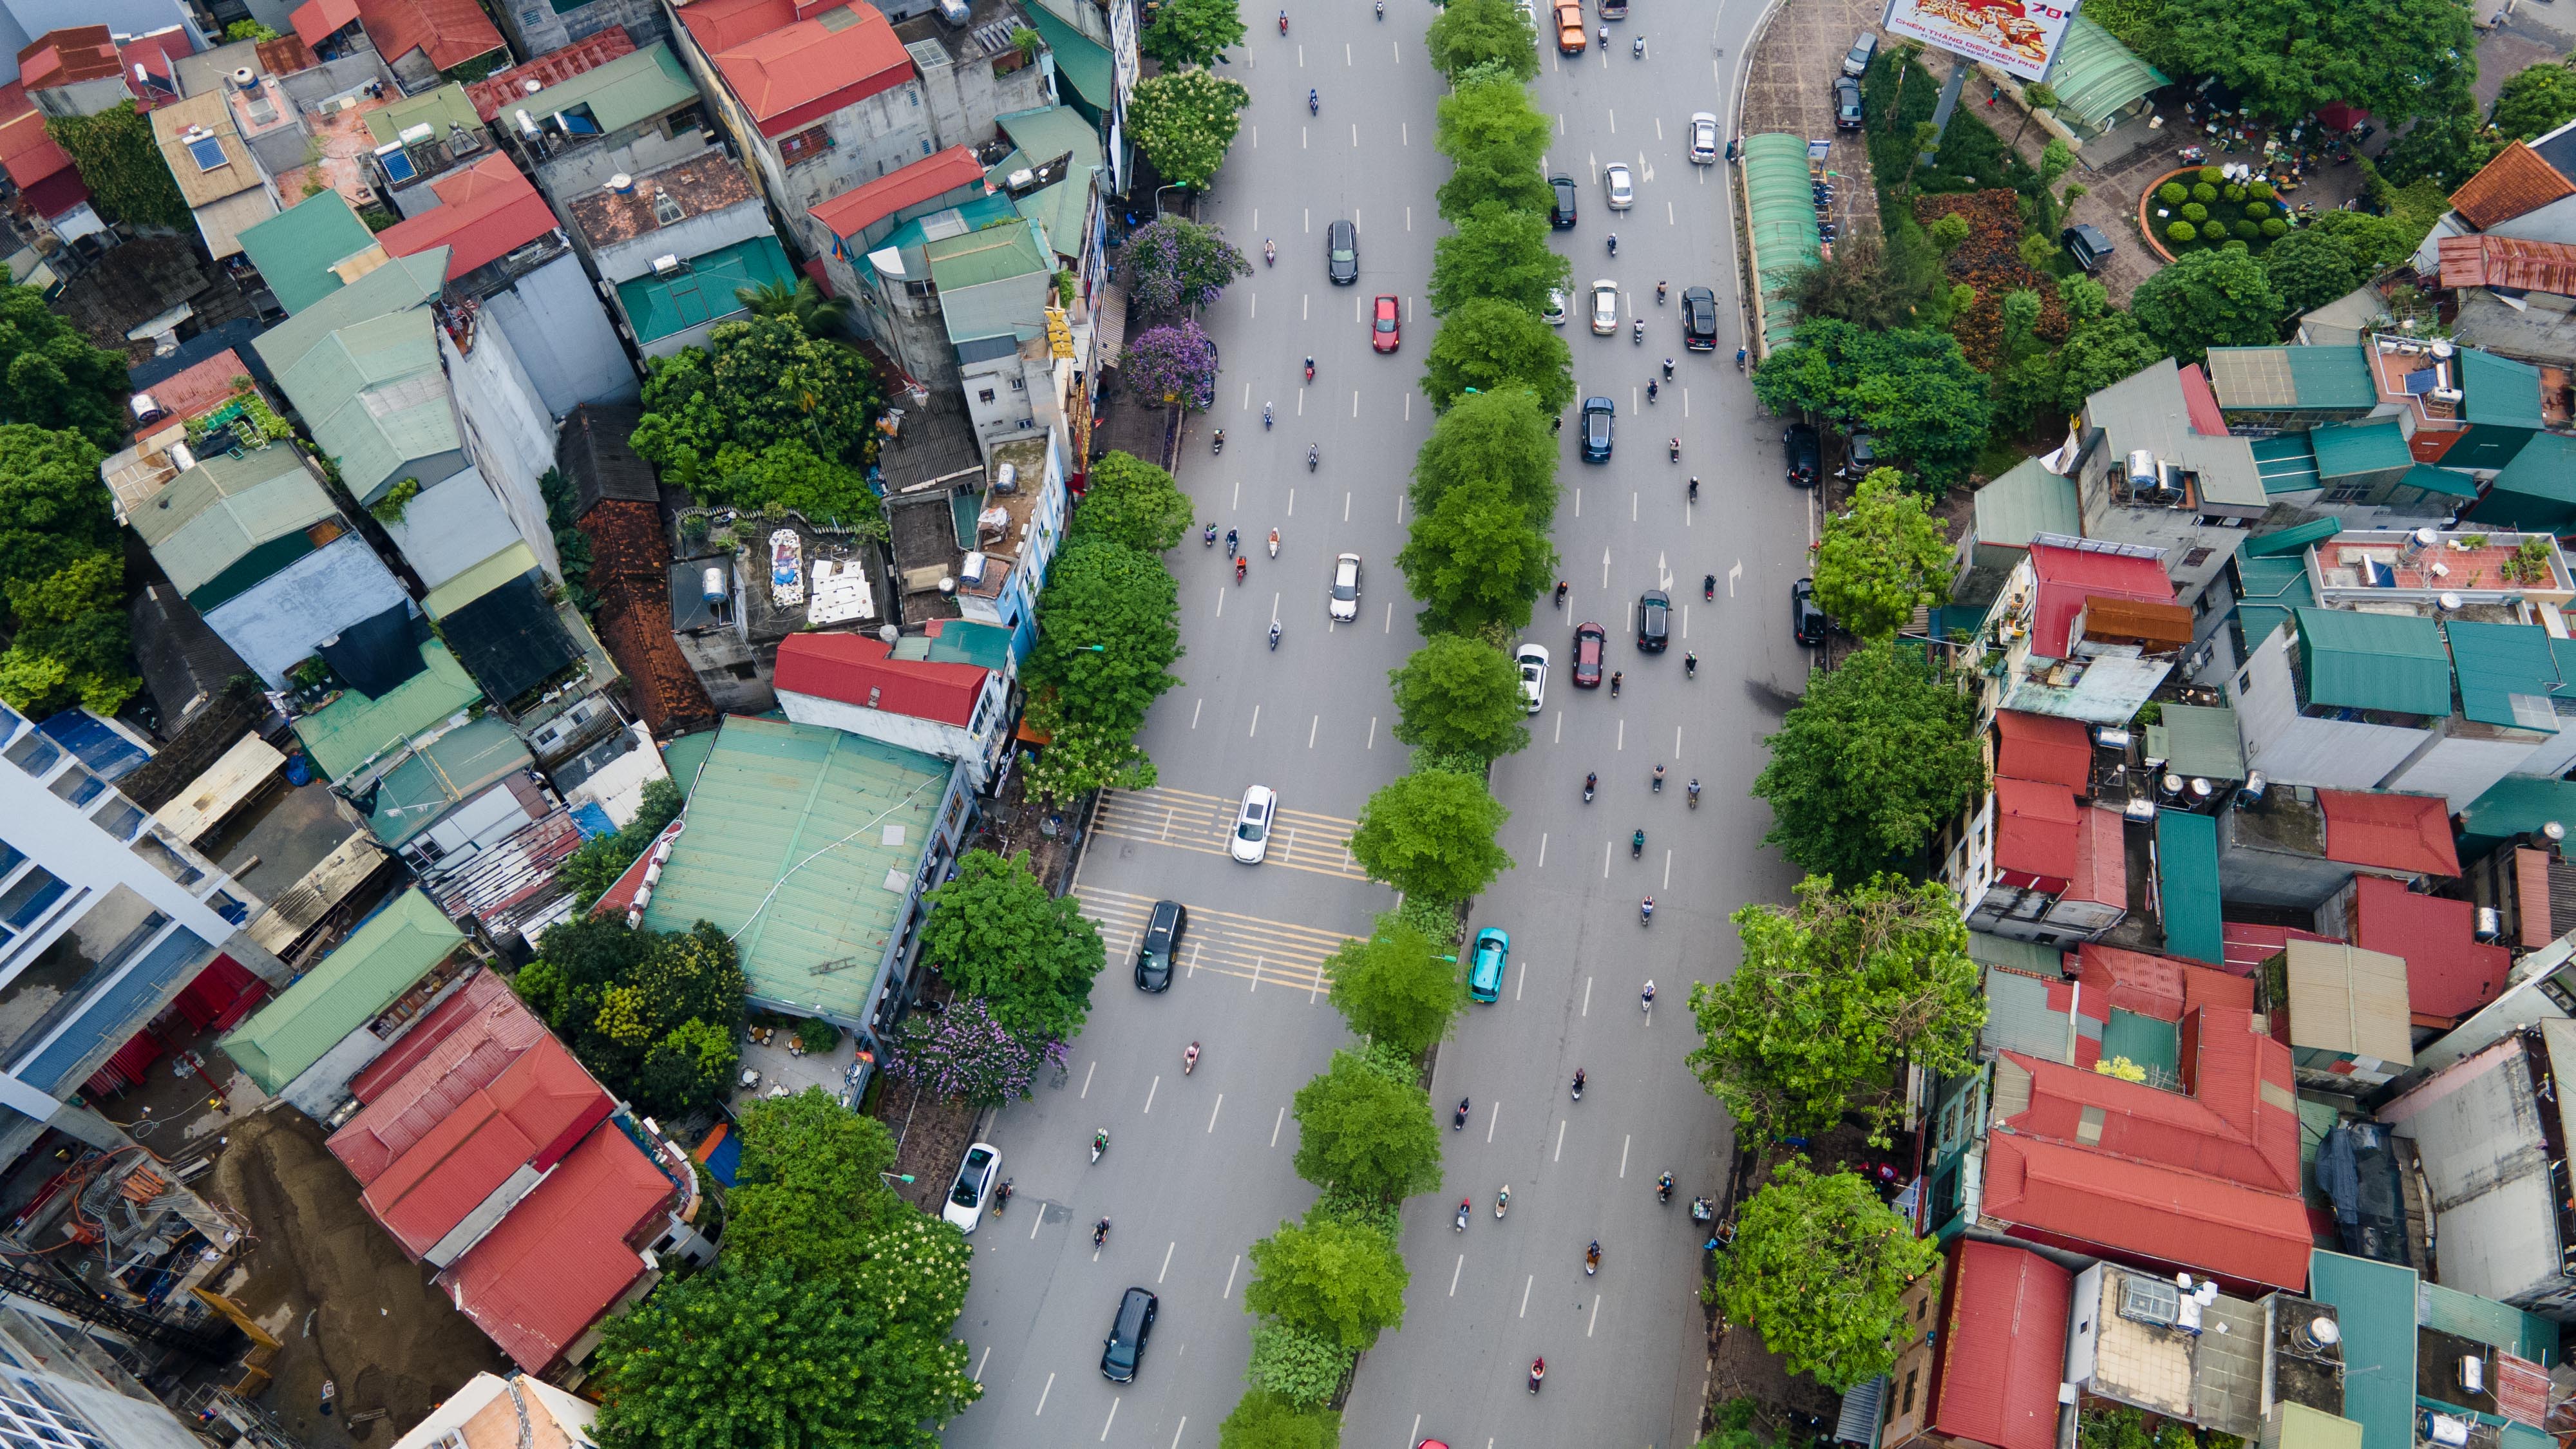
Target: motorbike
[(1459, 1120), (1239, 563), (1739, 359), (1690, 666), (1283, 22), (1650, 389), (1659, 779), (1560, 593), (1538, 1371), (1646, 917), (1002, 1197), (1265, 417), (1274, 543), (1589, 783), (1270, 253), (1578, 1084), (1217, 443), (1664, 1188), (1381, 9), (1694, 488), (1310, 369), (1694, 794), (1099, 1143), (1208, 536), (1502, 1200), (1614, 243), (1615, 677), (1312, 457), (1464, 1208), (1274, 638), (1673, 450), (1232, 542), (1313, 106), (1637, 47), (1659, 301), (1707, 587), (1190, 1058), (1637, 846), (1592, 1259), (1637, 332), (1668, 368), (1100, 1233)]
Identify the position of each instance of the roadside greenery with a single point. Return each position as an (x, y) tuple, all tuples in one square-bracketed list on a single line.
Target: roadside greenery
[(1460, 696), (1112, 632), (1186, 120), (1914, 390), (1432, 833), (656, 1016), (1397, 987), (1500, 251), (1192, 32), (1487, 343), (1881, 558), (996, 934), (1880, 753), (1365, 1132), (1267, 1421), (1818, 1266), (1174, 265), (1473, 33), (1133, 503)]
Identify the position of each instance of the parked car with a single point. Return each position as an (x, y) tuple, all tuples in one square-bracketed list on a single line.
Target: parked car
[(1846, 104), (1485, 968), (1863, 51), (1654, 620), (1598, 416), (1860, 454), (1342, 253), (1605, 307), (1699, 319), (1529, 12), (1252, 825), (1345, 604), (1620, 184), (1553, 314), (1703, 138), (1160, 945), (1803, 455), (1560, 206), (1127, 1334), (1386, 325), (1532, 659), (2086, 244), (975, 1178), (1807, 623), (1591, 641)]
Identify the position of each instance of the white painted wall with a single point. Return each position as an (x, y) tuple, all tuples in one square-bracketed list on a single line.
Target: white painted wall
[(508, 435), (931, 737), (2291, 749), (543, 1400)]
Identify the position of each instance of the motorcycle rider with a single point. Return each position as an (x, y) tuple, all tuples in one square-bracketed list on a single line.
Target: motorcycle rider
[(1100, 1232)]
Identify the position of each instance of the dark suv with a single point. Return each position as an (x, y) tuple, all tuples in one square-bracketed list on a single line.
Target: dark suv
[(1342, 253), (1654, 620), (1560, 211), (1699, 319), (1127, 1334), (1160, 946), (1846, 104), (1802, 453), (1598, 413)]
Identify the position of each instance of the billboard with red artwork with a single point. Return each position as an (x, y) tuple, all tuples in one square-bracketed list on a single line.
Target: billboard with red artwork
[(2018, 37)]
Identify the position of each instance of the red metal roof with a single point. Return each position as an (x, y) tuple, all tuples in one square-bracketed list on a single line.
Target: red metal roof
[(860, 670), (2223, 1128), (788, 67), (487, 211), (67, 57), (2411, 833), (2068, 576), (2200, 403), (26, 151), (2510, 263), (195, 391), (547, 1272), (2035, 832), (531, 1115), (2141, 1213), (2249, 946), (2044, 747), (451, 32), (2515, 182), (316, 21), (56, 194), (2449, 972), (159, 54), (621, 896), (2101, 860), (855, 210), (2522, 1390), (552, 68), (2003, 1347), (459, 1049)]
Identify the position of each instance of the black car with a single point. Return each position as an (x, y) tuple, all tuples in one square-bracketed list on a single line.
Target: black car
[(2086, 244), (1806, 622), (1846, 104), (1803, 453), (1160, 946), (1127, 1335), (1560, 212), (1342, 253), (1654, 620), (1699, 319), (1598, 413)]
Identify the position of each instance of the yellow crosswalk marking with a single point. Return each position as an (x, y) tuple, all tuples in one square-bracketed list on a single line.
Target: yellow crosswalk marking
[(1227, 943), (1188, 820)]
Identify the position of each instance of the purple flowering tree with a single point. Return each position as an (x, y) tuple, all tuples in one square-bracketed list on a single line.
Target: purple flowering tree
[(1172, 364), (1174, 265), (964, 1052)]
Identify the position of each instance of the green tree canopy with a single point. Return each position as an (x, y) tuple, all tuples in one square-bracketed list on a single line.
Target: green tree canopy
[(2103, 346), (1132, 502), (1486, 343), (1499, 438), (1394, 986), (764, 414), (1858, 284), (802, 303), (1818, 1266), (1297, 1368), (1499, 251), (2394, 58), (1481, 32), (616, 996), (121, 164), (1881, 557), (807, 1192), (996, 933), (1492, 122), (1186, 120), (2445, 150), (1192, 32), (1460, 696), (1266, 1421), (1431, 833), (1913, 389), (2535, 100), (71, 644), (2208, 299), (1831, 992), (591, 870), (1175, 265), (2330, 256), (1362, 1132), (1880, 753), (51, 377), (1481, 177), (1476, 559), (1335, 1280), (1092, 701)]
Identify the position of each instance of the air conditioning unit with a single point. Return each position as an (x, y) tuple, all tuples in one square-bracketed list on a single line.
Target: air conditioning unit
[(667, 265)]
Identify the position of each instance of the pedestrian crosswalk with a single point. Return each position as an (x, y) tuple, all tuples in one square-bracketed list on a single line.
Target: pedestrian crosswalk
[(1189, 820), (1264, 953)]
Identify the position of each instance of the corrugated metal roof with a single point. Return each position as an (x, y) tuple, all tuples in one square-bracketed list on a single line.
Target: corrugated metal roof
[(224, 507), (632, 88), (2507, 674), (2005, 1326), (2440, 480), (769, 796), (2281, 378), (506, 88), (2390, 662), (657, 307), (2147, 1209), (2515, 805), (2044, 747), (485, 211), (2517, 181), (2522, 1391), (2271, 590), (547, 1271), (2390, 830), (2187, 885), (2148, 410), (450, 526), (1079, 58), (2306, 1428), (1779, 222), (2449, 972), (2019, 1018), (295, 249), (2500, 391), (446, 106), (454, 1052), (483, 578), (2346, 449), (2026, 501), (2483, 1320), (2027, 957), (2286, 462), (2198, 739), (362, 366), (2095, 76), (380, 960), (2511, 263), (931, 177), (2538, 488), (2290, 542), (2348, 1000), (346, 733), (2375, 1304), (860, 670), (457, 765), (530, 1116)]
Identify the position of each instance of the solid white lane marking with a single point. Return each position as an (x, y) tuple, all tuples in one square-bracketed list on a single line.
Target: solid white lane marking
[(1560, 1141), (1276, 1124), (1525, 1293), (1453, 1292), (1086, 1080), (1167, 1262), (1042, 1395), (1112, 1419), (1229, 1278), (1150, 1089)]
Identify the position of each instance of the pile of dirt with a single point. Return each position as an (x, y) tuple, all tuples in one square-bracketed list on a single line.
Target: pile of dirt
[(333, 1286)]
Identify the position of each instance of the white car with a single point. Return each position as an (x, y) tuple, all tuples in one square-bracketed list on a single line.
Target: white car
[(1252, 825), (1621, 186), (1345, 604), (1532, 658), (1553, 314), (1703, 138), (1529, 12), (1605, 306), (973, 1187)]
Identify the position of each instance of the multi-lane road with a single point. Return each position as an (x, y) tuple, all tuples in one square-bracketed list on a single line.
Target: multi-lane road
[(1199, 1166)]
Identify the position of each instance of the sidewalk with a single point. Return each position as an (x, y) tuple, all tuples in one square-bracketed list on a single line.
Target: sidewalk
[(1789, 86)]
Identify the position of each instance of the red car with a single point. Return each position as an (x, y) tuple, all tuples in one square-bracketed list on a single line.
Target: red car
[(1589, 642), (1387, 331)]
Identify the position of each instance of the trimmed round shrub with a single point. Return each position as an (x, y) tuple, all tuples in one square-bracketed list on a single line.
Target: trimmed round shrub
[(2213, 175), (2256, 210), (2194, 212), (2181, 231), (2236, 246), (2260, 190), (2233, 192), (2204, 192), (2173, 193), (2212, 229), (2273, 226)]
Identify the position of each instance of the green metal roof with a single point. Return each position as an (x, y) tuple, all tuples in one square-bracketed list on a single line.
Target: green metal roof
[(1051, 131), (2333, 377), (2018, 1018), (444, 107), (993, 253), (1078, 58), (479, 580), (684, 755), (379, 962), (2027, 500), (2187, 885), (412, 796), (2306, 1428), (354, 729), (296, 249), (2375, 1304), (2028, 957), (2095, 76), (770, 796), (2515, 805), (2345, 449), (1039, 136), (1780, 220), (2500, 391), (963, 641), (2290, 542), (2537, 490), (636, 86), (2271, 589), (657, 307), (2483, 1320), (2286, 463), (2507, 676), (2440, 480), (220, 510), (2292, 379), (2199, 739), (361, 365), (2389, 662)]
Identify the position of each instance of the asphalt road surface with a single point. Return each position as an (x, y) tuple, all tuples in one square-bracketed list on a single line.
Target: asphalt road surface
[(1200, 1166)]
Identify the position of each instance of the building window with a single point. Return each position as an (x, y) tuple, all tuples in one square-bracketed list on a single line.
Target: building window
[(914, 97), (2348, 493), (1907, 1405), (1019, 384), (984, 395), (2196, 558), (31, 1417), (804, 146)]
